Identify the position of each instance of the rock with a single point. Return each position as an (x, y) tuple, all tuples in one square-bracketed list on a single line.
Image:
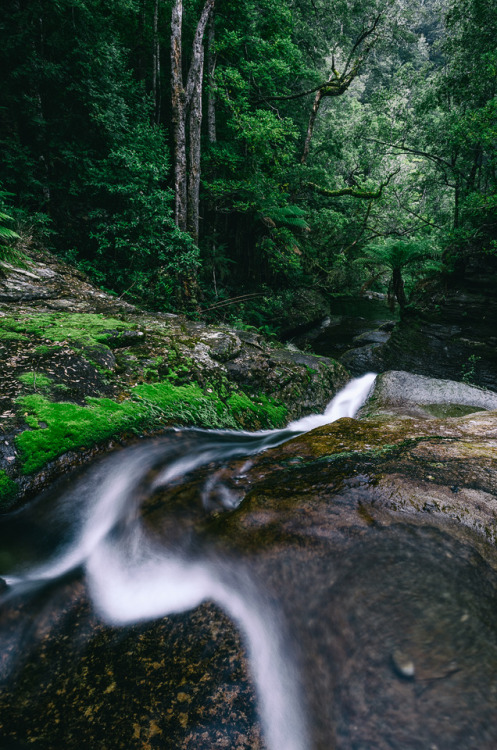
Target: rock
[(82, 368), (372, 337), (362, 359), (306, 309), (289, 375), (449, 330), (180, 683), (388, 326), (415, 395), (367, 545), (403, 665), (376, 539)]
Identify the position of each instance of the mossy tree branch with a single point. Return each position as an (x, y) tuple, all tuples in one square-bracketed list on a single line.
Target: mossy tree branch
[(352, 191)]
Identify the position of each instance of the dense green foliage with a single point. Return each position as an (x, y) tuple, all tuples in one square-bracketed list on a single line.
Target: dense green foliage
[(395, 158)]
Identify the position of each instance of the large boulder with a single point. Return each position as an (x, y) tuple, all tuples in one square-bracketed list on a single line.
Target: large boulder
[(397, 392), (83, 369)]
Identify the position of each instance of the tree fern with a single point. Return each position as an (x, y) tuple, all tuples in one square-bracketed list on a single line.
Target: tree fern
[(7, 251), (289, 215)]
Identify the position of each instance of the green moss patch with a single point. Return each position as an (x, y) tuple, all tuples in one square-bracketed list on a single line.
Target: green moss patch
[(77, 329), (442, 411), (67, 426), (8, 490), (257, 414), (6, 335), (36, 380)]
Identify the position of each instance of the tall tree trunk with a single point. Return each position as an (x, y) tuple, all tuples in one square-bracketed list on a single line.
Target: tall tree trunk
[(178, 101), (398, 287), (195, 123), (187, 99), (457, 195), (156, 62), (44, 156), (141, 51), (211, 68)]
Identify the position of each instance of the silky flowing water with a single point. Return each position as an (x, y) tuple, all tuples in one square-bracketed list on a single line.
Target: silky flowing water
[(344, 641)]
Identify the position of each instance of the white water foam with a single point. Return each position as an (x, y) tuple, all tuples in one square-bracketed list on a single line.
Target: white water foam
[(132, 579), (345, 404)]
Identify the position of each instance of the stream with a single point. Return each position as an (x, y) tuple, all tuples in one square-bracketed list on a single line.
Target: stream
[(334, 634)]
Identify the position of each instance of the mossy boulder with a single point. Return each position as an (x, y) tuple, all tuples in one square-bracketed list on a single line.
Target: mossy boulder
[(82, 369)]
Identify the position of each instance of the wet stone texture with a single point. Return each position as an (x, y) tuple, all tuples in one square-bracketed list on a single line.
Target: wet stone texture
[(368, 544), (392, 612), (67, 681)]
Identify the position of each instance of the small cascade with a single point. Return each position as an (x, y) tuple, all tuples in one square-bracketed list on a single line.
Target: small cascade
[(133, 578)]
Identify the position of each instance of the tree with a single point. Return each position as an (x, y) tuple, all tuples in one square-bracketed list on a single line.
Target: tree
[(395, 255), (187, 106), (339, 81)]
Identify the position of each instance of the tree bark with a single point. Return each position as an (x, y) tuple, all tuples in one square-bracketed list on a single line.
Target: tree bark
[(178, 102), (156, 62), (211, 68), (310, 127), (187, 100), (398, 287), (195, 123)]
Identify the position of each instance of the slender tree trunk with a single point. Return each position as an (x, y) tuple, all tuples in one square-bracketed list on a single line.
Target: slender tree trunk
[(156, 62), (211, 68), (310, 127), (178, 101), (195, 122), (187, 99), (398, 287), (457, 192), (140, 60), (44, 156)]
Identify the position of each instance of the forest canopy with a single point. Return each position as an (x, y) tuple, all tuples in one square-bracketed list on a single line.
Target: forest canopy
[(214, 156)]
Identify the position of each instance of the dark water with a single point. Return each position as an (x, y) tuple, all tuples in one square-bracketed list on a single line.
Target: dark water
[(350, 317)]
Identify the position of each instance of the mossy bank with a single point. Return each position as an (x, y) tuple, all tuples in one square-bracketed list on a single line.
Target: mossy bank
[(82, 369)]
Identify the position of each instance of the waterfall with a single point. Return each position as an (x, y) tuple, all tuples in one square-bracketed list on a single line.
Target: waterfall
[(132, 578)]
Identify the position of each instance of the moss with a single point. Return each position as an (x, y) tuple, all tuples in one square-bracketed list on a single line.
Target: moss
[(264, 412), (11, 335), (77, 329), (441, 411), (8, 490), (41, 350), (70, 426), (36, 381)]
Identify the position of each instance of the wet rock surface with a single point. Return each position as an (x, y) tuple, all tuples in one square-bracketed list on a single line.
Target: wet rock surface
[(370, 546), (398, 392), (181, 682), (370, 549)]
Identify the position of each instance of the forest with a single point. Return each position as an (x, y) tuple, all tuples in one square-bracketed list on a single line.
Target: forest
[(212, 156)]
